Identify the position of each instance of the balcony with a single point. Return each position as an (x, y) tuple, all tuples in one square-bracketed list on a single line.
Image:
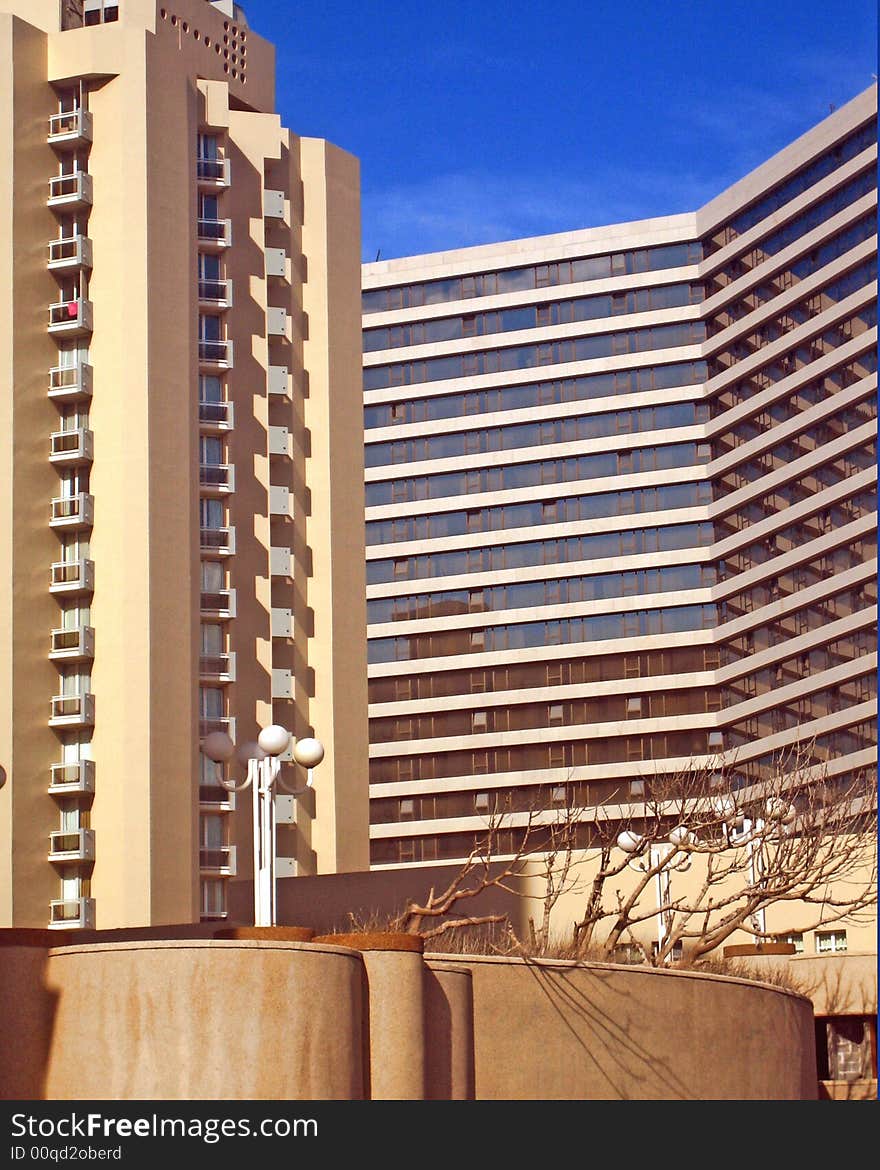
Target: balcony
[(217, 479), (76, 645), (213, 173), (214, 798), (217, 668), (72, 845), (72, 914), (70, 383), (216, 416), (76, 845), (217, 723), (219, 862), (220, 604), (73, 779), (72, 192), (69, 253), (218, 541), (215, 294), (73, 577), (71, 130), (216, 354), (73, 512), (71, 318), (214, 234), (71, 448), (73, 710)]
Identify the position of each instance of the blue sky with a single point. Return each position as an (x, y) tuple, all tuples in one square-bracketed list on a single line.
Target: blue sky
[(486, 121)]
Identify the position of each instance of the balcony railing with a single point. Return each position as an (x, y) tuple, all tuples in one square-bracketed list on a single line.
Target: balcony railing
[(71, 447), (73, 511), (217, 667), (72, 577), (216, 293), (217, 478), (214, 233), (216, 415), (219, 604), (69, 383), (71, 318), (72, 914), (72, 191), (220, 541), (216, 353), (73, 710), (70, 129), (73, 779), (70, 252), (74, 645), (76, 845), (213, 172), (214, 798), (217, 723), (220, 861)]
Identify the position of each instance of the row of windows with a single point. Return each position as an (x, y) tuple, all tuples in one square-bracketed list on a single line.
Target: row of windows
[(785, 716), (565, 470), (502, 398), (560, 632), (541, 552), (813, 752), (796, 315), (799, 666), (761, 294), (826, 474), (804, 396), (819, 434), (527, 357), (820, 346), (538, 433), (532, 316), (790, 188), (614, 749), (554, 673), (783, 629), (556, 591), (561, 508), (487, 284), (839, 605), (526, 716)]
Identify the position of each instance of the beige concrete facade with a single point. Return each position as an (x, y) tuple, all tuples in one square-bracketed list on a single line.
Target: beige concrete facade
[(621, 509), (179, 416)]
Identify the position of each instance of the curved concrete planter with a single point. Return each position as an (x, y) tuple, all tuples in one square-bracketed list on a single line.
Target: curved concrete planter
[(215, 1020)]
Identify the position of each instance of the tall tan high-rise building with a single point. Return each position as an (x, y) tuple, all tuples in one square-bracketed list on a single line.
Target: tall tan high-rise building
[(180, 334), (621, 503)]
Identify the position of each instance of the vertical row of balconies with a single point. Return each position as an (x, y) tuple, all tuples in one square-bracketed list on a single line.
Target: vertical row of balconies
[(217, 664), (71, 848)]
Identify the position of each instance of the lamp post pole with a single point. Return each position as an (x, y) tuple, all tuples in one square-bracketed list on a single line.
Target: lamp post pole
[(263, 772)]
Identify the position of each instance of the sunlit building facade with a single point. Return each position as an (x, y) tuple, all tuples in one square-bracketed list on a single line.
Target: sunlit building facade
[(621, 503), (181, 371)]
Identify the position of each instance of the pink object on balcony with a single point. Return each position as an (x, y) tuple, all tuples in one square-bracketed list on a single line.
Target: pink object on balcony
[(73, 309)]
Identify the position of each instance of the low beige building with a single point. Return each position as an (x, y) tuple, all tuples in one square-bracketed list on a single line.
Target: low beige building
[(180, 330)]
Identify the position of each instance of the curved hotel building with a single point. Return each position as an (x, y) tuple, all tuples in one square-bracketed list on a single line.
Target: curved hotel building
[(621, 502)]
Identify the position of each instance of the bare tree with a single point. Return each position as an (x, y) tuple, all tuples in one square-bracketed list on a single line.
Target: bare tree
[(794, 837)]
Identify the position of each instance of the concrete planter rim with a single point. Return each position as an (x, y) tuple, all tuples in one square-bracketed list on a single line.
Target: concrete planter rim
[(265, 933), (376, 940)]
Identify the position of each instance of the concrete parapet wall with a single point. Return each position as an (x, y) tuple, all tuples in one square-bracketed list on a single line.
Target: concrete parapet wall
[(247, 1019), (557, 1030)]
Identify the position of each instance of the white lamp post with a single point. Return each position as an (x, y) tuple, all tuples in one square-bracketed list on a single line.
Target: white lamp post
[(752, 832), (263, 770), (659, 857)]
